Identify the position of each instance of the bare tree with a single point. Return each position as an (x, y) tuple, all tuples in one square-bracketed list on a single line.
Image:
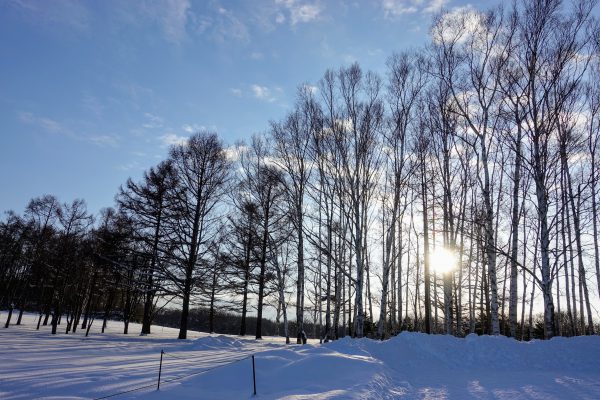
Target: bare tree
[(147, 203), (291, 151), (406, 81), (202, 168)]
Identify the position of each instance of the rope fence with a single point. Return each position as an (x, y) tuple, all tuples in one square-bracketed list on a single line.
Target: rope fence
[(182, 360)]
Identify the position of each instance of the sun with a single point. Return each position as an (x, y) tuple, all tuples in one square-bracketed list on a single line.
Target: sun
[(443, 260)]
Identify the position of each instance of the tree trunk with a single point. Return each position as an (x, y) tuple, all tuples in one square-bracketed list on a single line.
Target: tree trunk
[(263, 265), (426, 252), (300, 281), (512, 307)]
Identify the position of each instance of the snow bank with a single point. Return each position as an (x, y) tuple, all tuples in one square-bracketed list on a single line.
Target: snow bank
[(409, 366)]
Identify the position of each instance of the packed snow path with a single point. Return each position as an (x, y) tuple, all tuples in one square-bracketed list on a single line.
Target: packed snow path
[(409, 366)]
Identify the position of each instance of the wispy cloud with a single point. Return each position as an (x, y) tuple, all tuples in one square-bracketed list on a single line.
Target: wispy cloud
[(70, 13), (193, 128), (279, 18), (349, 58), (396, 8), (175, 19), (170, 139), (375, 52), (133, 165), (47, 124), (91, 103), (260, 92), (236, 92), (134, 94), (305, 13), (217, 23), (152, 121), (435, 6), (104, 140), (299, 12), (53, 126), (227, 26), (265, 93), (468, 17)]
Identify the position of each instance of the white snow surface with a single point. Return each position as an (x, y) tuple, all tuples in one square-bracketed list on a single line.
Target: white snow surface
[(36, 364)]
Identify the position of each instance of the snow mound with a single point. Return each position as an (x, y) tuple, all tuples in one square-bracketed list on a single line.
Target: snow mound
[(215, 342), (409, 366)]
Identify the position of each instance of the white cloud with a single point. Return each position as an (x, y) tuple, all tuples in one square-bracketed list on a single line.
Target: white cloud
[(375, 52), (227, 26), (233, 152), (305, 13), (265, 93), (458, 24), (47, 124), (53, 126), (152, 121), (175, 19), (256, 55), (134, 165), (105, 140), (236, 92), (395, 8), (261, 92), (171, 139), (70, 13), (193, 128), (298, 12), (435, 6), (349, 58)]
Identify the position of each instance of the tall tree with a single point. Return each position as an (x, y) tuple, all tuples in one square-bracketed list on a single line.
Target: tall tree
[(202, 168), (148, 205), (291, 149)]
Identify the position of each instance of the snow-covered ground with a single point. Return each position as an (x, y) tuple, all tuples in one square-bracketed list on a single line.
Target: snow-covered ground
[(409, 366), (37, 364)]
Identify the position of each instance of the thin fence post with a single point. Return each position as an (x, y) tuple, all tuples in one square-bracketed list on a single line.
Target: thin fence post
[(160, 369), (254, 374)]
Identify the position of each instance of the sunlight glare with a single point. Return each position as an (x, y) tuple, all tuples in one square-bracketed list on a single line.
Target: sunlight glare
[(443, 260)]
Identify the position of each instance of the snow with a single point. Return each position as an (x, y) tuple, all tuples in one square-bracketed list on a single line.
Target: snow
[(37, 364), (409, 366)]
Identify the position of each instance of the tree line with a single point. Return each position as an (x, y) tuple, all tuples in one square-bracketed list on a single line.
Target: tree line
[(478, 148)]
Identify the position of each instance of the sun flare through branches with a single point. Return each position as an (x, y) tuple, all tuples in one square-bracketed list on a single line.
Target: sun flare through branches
[(443, 260)]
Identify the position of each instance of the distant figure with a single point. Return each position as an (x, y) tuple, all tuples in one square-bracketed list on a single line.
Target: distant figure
[(304, 338)]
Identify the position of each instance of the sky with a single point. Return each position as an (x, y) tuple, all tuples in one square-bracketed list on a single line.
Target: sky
[(94, 92)]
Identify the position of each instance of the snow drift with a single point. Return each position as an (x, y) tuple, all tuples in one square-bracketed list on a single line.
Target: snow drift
[(410, 366)]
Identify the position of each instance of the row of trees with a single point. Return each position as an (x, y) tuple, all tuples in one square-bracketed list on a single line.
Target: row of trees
[(480, 147)]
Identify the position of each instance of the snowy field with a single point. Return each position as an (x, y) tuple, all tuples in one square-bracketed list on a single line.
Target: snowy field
[(37, 364), (410, 366)]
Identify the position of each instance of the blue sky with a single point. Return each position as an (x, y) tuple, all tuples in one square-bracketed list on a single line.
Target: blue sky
[(93, 92)]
